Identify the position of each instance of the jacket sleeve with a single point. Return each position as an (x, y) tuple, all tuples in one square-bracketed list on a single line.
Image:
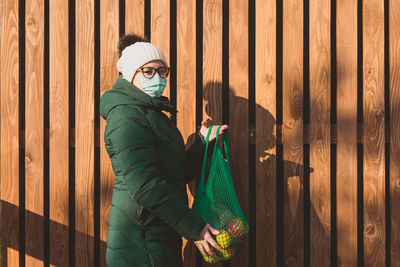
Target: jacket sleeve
[(135, 153)]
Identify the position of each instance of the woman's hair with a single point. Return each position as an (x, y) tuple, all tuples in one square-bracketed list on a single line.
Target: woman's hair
[(129, 39)]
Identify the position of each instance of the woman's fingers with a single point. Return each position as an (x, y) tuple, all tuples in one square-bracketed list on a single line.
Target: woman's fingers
[(208, 249), (199, 245), (214, 243), (213, 230)]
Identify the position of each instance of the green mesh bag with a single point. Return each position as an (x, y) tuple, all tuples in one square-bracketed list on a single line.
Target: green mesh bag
[(216, 200)]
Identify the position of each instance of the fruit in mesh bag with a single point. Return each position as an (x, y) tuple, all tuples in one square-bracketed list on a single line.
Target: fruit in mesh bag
[(237, 228), (224, 239), (210, 258), (227, 253), (224, 216)]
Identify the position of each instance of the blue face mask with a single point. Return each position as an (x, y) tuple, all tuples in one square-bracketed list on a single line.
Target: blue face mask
[(154, 87)]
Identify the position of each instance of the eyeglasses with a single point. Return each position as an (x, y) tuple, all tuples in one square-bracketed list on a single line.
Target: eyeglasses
[(149, 72)]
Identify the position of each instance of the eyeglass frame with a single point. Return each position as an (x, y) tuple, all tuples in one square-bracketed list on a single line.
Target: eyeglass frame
[(156, 71)]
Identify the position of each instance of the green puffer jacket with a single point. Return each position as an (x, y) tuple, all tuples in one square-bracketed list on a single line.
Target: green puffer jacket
[(149, 212)]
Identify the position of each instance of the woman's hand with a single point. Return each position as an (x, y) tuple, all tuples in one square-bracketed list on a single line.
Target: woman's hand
[(213, 134), (204, 240)]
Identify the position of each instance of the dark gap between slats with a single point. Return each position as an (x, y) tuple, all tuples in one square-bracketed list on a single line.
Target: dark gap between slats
[(46, 191), (173, 59), (252, 120), (71, 108), (199, 80), (387, 133), (306, 122), (360, 148), (96, 96), (279, 146), (21, 104), (147, 19), (225, 62), (121, 11), (333, 114), (225, 73)]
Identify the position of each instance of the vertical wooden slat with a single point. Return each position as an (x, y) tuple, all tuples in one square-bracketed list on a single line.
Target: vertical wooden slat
[(84, 132), (160, 31), (59, 133), (346, 153), (109, 27), (212, 65), (292, 85), (394, 61), (239, 112), (34, 131), (9, 126), (212, 60), (265, 60), (134, 16), (186, 95), (374, 133), (320, 79)]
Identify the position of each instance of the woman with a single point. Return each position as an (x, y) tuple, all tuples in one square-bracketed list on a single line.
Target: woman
[(149, 212)]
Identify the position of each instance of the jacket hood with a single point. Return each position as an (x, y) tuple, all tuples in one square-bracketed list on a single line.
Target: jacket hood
[(125, 93)]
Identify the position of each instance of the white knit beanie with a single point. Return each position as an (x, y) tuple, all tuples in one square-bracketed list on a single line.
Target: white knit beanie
[(137, 55)]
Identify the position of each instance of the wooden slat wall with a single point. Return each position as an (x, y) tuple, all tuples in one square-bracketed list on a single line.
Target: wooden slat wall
[(34, 131), (134, 16), (59, 134), (361, 151), (239, 111), (160, 31), (84, 133), (109, 35), (9, 126), (319, 133), (394, 89), (186, 95), (346, 153), (212, 67), (265, 133), (374, 133), (292, 131)]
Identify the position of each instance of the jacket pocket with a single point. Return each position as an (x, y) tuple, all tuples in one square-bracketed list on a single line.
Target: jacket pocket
[(144, 218)]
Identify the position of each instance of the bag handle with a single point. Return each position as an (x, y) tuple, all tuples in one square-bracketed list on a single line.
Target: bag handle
[(226, 143), (201, 185), (226, 147)]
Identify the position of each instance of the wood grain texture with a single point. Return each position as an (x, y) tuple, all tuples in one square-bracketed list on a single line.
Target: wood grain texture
[(292, 131), (109, 28), (239, 113), (346, 153), (9, 128), (58, 133), (34, 129), (212, 67), (265, 133), (212, 61), (84, 132), (186, 96), (160, 31), (134, 16), (394, 92), (374, 132), (320, 92)]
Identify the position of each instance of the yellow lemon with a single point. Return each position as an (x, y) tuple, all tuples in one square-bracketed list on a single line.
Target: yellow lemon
[(228, 253), (224, 239), (210, 258)]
